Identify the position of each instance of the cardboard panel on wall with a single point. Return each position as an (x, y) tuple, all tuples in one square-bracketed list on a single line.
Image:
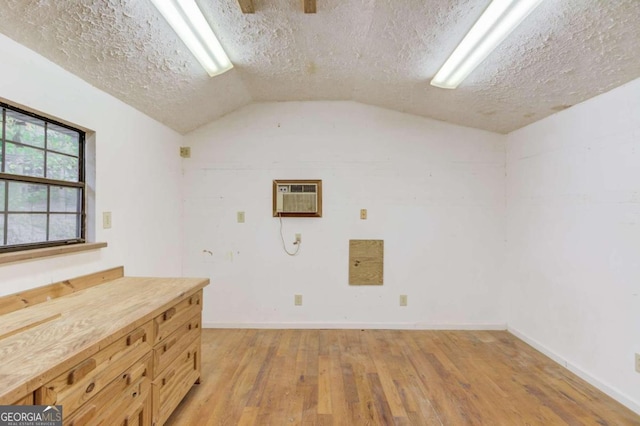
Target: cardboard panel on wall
[(366, 258)]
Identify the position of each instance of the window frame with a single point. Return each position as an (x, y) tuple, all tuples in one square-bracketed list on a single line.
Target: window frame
[(81, 213)]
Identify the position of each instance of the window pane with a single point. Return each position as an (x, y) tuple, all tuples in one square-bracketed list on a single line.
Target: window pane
[(64, 199), (63, 227), (22, 160), (62, 167), (62, 139), (24, 129), (1, 229), (26, 228), (27, 197)]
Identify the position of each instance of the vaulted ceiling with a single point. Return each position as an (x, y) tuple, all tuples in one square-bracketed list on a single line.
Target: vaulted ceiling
[(378, 52)]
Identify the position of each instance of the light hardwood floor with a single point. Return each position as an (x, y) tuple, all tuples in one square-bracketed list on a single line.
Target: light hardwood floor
[(383, 377)]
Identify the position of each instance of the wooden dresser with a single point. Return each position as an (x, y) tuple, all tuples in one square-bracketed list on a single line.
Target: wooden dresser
[(110, 349)]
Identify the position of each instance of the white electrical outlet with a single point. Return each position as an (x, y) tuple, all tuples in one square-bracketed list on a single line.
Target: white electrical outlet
[(240, 217), (403, 300), (297, 300), (298, 238), (638, 363), (106, 220)]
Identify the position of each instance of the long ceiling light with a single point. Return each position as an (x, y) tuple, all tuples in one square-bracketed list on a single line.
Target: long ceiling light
[(188, 22), (495, 24)]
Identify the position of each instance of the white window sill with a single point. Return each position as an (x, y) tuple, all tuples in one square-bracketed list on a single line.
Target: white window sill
[(17, 256)]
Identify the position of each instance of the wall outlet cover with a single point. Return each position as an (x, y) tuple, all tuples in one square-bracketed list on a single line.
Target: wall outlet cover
[(297, 300), (403, 300), (637, 363)]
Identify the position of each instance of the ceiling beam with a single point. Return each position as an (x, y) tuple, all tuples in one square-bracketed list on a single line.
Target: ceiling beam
[(309, 6), (247, 6)]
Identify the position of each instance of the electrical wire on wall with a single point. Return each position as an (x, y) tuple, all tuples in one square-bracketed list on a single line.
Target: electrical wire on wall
[(284, 246)]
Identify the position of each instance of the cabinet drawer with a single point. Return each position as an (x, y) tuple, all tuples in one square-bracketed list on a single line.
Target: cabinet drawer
[(25, 400), (124, 401), (85, 380), (165, 352), (175, 381), (167, 322), (139, 414)]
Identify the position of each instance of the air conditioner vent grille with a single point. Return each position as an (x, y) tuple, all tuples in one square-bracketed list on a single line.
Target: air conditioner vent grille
[(300, 203), (303, 188)]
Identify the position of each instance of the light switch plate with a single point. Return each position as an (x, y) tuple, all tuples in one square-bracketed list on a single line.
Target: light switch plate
[(240, 217), (106, 220)]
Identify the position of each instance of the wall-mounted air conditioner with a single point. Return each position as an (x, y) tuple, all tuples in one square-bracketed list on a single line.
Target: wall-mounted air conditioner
[(297, 198)]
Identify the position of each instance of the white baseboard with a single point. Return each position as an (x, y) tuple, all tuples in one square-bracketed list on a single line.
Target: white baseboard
[(612, 392), (352, 326)]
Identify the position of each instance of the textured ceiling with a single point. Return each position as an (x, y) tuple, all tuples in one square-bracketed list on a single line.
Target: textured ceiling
[(378, 52)]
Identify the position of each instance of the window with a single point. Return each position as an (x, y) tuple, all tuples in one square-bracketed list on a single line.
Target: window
[(41, 182)]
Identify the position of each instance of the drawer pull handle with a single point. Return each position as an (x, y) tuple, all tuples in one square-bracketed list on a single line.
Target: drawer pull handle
[(134, 418), (168, 345), (46, 396), (90, 387), (137, 373), (194, 299), (168, 377), (139, 334), (81, 370), (169, 314)]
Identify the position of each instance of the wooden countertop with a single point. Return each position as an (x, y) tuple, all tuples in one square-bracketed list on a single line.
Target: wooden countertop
[(43, 341)]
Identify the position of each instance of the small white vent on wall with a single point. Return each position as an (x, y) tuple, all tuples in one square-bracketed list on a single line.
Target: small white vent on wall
[(297, 198)]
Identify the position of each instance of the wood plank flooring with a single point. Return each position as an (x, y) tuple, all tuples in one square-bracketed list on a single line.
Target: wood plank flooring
[(387, 377)]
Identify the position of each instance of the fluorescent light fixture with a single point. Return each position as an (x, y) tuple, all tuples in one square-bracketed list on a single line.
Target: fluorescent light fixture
[(188, 22), (495, 24)]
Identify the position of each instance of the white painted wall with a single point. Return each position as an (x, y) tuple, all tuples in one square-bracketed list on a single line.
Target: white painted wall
[(434, 193), (573, 238), (138, 174)]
